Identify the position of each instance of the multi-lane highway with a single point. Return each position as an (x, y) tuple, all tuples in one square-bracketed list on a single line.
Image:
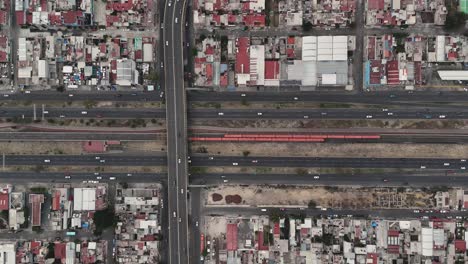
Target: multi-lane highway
[(225, 161), (381, 97), (306, 113), (424, 178), (176, 116)]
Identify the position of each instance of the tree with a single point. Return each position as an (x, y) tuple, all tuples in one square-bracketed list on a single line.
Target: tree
[(306, 26), (312, 204), (60, 88), (455, 20), (245, 153), (104, 219)]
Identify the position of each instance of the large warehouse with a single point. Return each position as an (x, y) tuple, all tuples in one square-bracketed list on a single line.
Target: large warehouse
[(324, 60)]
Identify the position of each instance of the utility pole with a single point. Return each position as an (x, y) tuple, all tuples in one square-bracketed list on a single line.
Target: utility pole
[(34, 112)]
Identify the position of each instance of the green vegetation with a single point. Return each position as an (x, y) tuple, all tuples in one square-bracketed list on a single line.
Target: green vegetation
[(301, 171), (38, 190), (306, 26), (455, 19), (312, 204), (88, 104), (198, 170), (245, 153), (103, 220)]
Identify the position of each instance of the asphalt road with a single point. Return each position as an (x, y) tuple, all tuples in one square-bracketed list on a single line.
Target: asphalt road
[(26, 176), (355, 213), (173, 38), (224, 161), (401, 163), (424, 179), (335, 113), (381, 97)]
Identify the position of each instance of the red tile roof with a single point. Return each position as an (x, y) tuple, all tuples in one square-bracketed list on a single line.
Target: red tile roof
[(372, 258), (94, 146), (276, 229), (55, 19), (56, 201), (375, 4), (272, 69), (20, 18), (3, 17), (36, 201), (254, 20), (242, 56), (60, 250), (392, 73), (393, 233), (261, 246), (71, 17), (231, 237), (3, 56), (4, 201), (3, 41), (123, 6), (393, 249), (460, 246), (209, 72), (291, 40)]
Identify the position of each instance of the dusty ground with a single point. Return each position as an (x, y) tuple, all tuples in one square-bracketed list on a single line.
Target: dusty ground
[(258, 105), (335, 149), (91, 122), (144, 146), (39, 147), (217, 226), (335, 197), (291, 124)]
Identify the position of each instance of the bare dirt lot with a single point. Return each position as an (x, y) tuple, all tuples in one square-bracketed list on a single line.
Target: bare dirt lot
[(323, 196), (144, 146), (334, 149), (39, 147)]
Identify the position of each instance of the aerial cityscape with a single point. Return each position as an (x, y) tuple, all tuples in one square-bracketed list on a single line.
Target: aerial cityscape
[(234, 131)]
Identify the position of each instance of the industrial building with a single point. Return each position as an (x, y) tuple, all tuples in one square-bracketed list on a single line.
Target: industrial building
[(36, 201), (84, 199), (324, 60)]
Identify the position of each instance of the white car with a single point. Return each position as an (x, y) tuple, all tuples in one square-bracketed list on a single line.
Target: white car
[(384, 110), (235, 163), (295, 98), (176, 20), (111, 178), (264, 210), (102, 161), (182, 191), (390, 113), (423, 167), (446, 164), (220, 113), (98, 158), (70, 95), (243, 95), (442, 116), (463, 160), (179, 161), (167, 43), (67, 177), (259, 114), (169, 4), (62, 116), (84, 112), (368, 116), (463, 168), (129, 175), (305, 117), (6, 95), (196, 223), (47, 161), (45, 112), (316, 177), (28, 92), (225, 181), (99, 178)]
